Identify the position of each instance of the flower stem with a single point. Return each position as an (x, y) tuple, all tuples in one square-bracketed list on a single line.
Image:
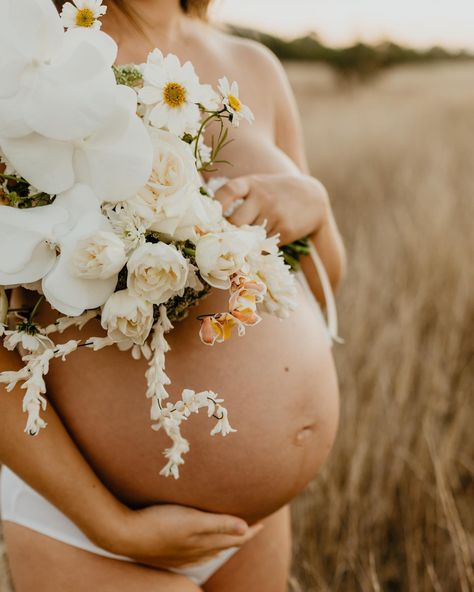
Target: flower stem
[(35, 309), (213, 114), (10, 177)]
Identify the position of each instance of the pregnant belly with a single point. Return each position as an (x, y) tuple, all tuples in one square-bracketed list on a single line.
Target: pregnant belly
[(280, 389)]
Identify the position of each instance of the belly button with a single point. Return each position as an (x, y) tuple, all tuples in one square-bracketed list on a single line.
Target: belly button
[(303, 434)]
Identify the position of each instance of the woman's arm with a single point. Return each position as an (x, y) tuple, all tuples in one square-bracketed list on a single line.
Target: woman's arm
[(51, 463), (293, 203), (325, 236)]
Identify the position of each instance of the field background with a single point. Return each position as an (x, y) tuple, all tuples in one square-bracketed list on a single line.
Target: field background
[(393, 509)]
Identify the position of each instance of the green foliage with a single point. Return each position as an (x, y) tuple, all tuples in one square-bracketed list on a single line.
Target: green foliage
[(16, 192), (129, 75), (359, 59), (293, 252)]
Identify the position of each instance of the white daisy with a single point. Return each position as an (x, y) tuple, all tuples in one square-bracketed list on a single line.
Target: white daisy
[(83, 13), (172, 93), (232, 102)]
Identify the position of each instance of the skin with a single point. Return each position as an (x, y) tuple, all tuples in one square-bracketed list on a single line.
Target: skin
[(226, 483)]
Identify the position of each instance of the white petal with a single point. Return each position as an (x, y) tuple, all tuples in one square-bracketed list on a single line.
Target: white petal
[(159, 116), (45, 163), (71, 99), (75, 202), (101, 41), (35, 269), (12, 122), (67, 293), (31, 27), (150, 95), (234, 89), (12, 65), (154, 74), (24, 256), (117, 161), (68, 15), (155, 57)]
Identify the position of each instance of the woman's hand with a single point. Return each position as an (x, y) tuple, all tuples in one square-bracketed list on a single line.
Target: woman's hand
[(170, 536), (293, 205)]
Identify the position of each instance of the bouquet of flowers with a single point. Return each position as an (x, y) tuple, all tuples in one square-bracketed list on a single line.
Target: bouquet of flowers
[(104, 211)]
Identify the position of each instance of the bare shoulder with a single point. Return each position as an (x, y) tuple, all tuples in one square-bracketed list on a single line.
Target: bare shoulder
[(258, 61)]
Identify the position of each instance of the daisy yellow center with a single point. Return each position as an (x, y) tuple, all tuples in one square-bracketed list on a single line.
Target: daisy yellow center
[(85, 17), (174, 94), (234, 102)]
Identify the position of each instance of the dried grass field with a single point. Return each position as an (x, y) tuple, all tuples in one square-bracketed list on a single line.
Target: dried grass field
[(393, 509)]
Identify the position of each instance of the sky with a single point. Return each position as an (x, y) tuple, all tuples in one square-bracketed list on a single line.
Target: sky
[(419, 23)]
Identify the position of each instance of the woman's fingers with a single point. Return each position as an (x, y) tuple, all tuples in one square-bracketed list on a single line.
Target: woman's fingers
[(222, 525), (233, 190), (247, 213), (221, 542)]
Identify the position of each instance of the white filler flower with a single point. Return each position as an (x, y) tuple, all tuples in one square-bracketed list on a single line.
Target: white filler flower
[(232, 102), (83, 13), (172, 92)]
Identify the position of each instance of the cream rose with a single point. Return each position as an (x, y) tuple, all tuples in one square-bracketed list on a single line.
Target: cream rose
[(218, 256), (127, 318), (99, 256), (157, 271), (281, 295), (174, 170)]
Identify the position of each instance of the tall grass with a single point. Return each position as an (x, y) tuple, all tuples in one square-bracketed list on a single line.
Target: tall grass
[(393, 509)]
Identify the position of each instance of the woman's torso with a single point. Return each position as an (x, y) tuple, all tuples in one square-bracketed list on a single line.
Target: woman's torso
[(278, 382)]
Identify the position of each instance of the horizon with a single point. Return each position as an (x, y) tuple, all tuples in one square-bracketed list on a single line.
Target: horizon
[(416, 23)]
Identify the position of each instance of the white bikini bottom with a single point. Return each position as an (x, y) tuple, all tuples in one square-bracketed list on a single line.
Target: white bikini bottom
[(21, 504)]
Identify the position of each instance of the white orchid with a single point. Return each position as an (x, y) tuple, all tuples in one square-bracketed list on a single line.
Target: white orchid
[(83, 13), (63, 118), (47, 74), (29, 244), (115, 160), (172, 93)]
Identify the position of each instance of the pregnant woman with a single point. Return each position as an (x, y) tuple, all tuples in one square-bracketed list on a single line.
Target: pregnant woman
[(83, 506)]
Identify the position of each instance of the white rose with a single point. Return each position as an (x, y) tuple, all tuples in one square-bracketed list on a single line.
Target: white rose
[(99, 256), (127, 318), (157, 272), (281, 295), (173, 214), (218, 256), (214, 220), (174, 165), (174, 169)]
